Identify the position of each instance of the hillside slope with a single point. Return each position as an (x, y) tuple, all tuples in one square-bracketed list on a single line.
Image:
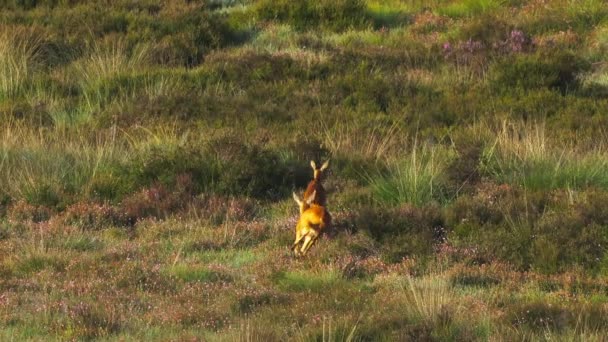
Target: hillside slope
[(149, 150)]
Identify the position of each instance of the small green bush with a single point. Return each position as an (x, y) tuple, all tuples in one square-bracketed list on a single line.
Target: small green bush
[(545, 69)]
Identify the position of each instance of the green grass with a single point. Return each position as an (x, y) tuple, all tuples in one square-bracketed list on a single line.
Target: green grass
[(414, 179), (308, 282), (18, 56), (530, 162), (470, 8)]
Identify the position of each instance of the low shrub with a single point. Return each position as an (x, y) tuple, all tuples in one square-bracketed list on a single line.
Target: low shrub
[(402, 231), (556, 317), (91, 216), (544, 69)]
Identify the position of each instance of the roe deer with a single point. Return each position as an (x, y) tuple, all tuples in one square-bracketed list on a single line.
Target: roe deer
[(313, 219), (315, 184)]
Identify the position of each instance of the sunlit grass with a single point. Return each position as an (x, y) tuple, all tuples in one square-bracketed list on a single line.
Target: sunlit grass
[(415, 178), (148, 155), (18, 54), (470, 8), (524, 156)]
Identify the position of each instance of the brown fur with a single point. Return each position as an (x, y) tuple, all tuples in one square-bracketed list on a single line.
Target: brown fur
[(313, 220), (315, 186)]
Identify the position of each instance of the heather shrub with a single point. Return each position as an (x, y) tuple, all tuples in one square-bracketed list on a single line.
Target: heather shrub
[(197, 274), (463, 172), (474, 277), (91, 216), (568, 241), (402, 231), (185, 38), (88, 321), (21, 211), (590, 207), (249, 170), (163, 164), (156, 201), (219, 209), (179, 107), (544, 69), (555, 316)]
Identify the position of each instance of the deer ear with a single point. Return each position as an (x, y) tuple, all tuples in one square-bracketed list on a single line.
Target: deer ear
[(311, 198), (297, 199), (313, 164), (325, 165)]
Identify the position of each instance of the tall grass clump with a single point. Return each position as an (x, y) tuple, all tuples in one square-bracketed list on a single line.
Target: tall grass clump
[(18, 52), (523, 155), (376, 142), (415, 179), (428, 298), (430, 303), (97, 71), (52, 168)]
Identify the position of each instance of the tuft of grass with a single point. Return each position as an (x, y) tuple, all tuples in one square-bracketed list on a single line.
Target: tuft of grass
[(523, 155), (18, 56), (428, 298), (96, 71), (36, 262), (50, 168), (83, 243), (415, 179)]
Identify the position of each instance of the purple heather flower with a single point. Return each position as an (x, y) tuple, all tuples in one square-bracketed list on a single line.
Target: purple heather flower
[(447, 47), (517, 40), (472, 45)]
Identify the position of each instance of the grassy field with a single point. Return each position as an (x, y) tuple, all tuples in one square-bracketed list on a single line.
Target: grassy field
[(149, 149)]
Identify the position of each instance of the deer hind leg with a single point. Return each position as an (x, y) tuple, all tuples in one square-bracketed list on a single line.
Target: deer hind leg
[(310, 243), (299, 237), (307, 241)]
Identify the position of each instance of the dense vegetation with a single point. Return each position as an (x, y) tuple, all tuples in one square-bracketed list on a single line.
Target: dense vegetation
[(149, 150)]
